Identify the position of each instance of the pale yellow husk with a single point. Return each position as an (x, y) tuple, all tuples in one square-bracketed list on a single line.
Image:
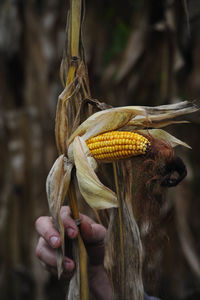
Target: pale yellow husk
[(137, 117), (93, 191)]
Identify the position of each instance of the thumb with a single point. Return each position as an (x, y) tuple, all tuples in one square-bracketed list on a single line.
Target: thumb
[(93, 236), (92, 233)]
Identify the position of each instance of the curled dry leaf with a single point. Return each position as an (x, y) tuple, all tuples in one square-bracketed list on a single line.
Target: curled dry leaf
[(138, 117), (107, 120), (62, 122), (56, 187), (163, 115), (94, 192), (164, 135)]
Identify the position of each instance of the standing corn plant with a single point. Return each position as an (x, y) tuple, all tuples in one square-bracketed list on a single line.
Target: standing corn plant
[(119, 136), (74, 74)]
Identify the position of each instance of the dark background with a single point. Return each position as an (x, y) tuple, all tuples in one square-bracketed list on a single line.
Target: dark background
[(138, 53)]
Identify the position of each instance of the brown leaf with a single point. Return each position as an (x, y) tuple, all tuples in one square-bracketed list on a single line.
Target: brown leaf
[(56, 186)]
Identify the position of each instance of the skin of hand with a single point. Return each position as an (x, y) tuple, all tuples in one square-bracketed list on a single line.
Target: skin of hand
[(93, 235)]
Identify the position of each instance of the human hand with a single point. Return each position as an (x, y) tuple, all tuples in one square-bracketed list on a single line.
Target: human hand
[(93, 235)]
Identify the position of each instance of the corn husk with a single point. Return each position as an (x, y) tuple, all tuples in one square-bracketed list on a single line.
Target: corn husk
[(136, 117), (96, 194), (57, 184), (165, 136)]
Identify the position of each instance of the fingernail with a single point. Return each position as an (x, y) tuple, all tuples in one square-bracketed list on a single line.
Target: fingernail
[(54, 241), (68, 265), (70, 231)]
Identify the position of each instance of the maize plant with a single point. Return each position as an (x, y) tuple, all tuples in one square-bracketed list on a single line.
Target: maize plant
[(86, 140)]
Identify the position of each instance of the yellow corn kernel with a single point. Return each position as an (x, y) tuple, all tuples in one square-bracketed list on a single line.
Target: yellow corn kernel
[(115, 145)]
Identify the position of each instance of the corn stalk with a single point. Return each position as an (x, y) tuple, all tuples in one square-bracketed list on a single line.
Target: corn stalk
[(74, 75)]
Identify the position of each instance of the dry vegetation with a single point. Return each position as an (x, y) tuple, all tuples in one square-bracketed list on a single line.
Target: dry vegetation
[(138, 53)]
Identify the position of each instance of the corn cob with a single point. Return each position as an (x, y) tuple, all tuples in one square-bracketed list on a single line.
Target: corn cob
[(115, 145)]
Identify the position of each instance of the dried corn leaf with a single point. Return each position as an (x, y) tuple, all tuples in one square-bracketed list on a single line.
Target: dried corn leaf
[(164, 135), (109, 119), (179, 108), (56, 187), (93, 191), (160, 116), (61, 128), (73, 291), (138, 117)]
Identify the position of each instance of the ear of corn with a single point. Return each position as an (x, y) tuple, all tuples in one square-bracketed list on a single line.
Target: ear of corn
[(115, 145)]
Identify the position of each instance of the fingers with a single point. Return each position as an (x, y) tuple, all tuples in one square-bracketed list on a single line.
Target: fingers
[(93, 235), (45, 253), (47, 256), (69, 224), (91, 232), (45, 229)]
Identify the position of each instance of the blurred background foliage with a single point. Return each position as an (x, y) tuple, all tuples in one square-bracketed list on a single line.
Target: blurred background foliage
[(138, 53)]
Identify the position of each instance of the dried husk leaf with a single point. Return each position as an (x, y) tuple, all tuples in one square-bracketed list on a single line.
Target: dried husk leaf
[(179, 108), (57, 184), (68, 109), (161, 116), (74, 291), (137, 124), (93, 191), (137, 117), (164, 135), (107, 120), (62, 128)]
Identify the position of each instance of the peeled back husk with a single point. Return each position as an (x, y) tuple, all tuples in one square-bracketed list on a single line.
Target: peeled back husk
[(96, 194), (57, 184)]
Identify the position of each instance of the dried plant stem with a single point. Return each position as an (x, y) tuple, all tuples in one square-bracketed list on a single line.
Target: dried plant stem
[(84, 290), (74, 41), (73, 202), (75, 24), (73, 51), (120, 218), (71, 75)]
